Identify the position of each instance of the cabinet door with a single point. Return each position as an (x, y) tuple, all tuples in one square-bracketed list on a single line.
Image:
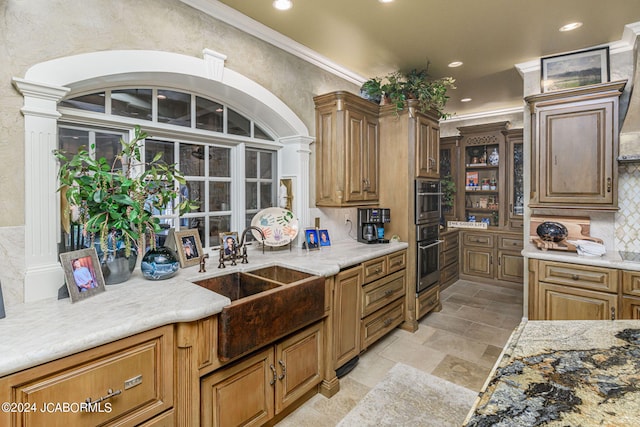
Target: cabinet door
[(346, 321), (427, 148), (477, 261), (449, 160), (515, 180), (240, 395), (510, 266), (557, 302), (362, 157), (631, 283), (577, 154), (630, 308), (299, 364)]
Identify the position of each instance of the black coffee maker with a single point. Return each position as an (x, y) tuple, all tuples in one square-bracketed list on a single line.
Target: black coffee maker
[(371, 225)]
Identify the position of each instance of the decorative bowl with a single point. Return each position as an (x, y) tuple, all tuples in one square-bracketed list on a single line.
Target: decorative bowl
[(159, 264), (552, 231)]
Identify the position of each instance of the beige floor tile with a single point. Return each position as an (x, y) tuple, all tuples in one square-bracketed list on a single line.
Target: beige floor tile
[(413, 354), (462, 372), (461, 346), (480, 315), (490, 356), (447, 322), (489, 334), (371, 369)]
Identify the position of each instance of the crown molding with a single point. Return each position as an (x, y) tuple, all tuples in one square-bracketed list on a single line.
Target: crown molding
[(230, 16), (485, 114)]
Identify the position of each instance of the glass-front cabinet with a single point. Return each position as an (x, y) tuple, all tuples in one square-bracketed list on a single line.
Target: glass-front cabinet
[(515, 165), (449, 166), (482, 181)]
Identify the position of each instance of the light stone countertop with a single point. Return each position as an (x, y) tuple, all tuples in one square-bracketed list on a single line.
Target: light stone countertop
[(608, 260), (38, 332)]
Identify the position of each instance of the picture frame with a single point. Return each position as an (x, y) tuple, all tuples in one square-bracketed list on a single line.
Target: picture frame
[(188, 247), (225, 242), (311, 239), (324, 238), (575, 69), (82, 273)]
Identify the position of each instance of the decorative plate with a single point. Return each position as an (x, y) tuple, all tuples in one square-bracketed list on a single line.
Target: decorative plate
[(279, 226)]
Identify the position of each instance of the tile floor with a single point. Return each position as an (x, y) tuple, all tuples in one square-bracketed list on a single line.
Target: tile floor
[(459, 344)]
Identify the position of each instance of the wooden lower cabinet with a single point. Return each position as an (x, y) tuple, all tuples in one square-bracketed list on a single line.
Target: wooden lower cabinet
[(346, 315), (132, 376), (427, 301), (558, 302), (254, 390), (494, 256), (565, 291), (449, 255)]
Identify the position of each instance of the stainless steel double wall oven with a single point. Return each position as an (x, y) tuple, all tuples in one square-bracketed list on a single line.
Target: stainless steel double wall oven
[(427, 202)]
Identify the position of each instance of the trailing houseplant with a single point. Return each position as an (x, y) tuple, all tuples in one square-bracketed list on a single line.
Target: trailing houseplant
[(398, 87), (118, 198)]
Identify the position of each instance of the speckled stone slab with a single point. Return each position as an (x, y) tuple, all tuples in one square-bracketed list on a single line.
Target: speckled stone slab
[(410, 397), (565, 373)]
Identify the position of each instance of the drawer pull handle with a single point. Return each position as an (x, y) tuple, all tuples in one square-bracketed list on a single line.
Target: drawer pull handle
[(275, 374), (575, 277), (388, 292), (388, 322), (284, 370), (110, 394), (613, 313)]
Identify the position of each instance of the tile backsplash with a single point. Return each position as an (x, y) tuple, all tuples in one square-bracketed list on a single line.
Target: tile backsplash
[(627, 219)]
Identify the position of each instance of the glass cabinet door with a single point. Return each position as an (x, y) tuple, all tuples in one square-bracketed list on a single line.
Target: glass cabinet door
[(516, 178)]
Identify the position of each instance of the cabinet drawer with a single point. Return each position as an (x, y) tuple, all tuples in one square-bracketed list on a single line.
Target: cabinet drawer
[(427, 301), (377, 294), (478, 239), (631, 283), (374, 269), (450, 241), (510, 243), (581, 276), (397, 261), (449, 274), (379, 323), (134, 377), (449, 256)]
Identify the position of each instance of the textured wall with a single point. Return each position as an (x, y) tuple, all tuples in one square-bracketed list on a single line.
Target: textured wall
[(38, 30)]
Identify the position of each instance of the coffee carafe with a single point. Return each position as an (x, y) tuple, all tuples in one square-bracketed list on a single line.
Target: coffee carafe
[(371, 225)]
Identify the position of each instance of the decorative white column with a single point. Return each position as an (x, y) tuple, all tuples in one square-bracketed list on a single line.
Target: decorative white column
[(294, 164), (43, 272)]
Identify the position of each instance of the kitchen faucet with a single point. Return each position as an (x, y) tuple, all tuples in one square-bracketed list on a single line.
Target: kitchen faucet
[(244, 246)]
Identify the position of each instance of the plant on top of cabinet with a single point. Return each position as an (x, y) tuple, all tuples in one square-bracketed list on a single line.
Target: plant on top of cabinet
[(397, 87)]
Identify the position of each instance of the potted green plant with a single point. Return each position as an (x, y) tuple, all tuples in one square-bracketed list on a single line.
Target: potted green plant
[(116, 201), (397, 87)]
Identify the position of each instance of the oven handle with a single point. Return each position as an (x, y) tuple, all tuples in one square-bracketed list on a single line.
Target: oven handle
[(437, 242), (429, 194)]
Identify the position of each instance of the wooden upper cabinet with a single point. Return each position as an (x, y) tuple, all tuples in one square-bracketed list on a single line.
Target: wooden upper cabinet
[(575, 147), (347, 150), (427, 147)]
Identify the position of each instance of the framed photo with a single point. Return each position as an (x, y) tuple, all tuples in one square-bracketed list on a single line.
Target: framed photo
[(189, 247), (82, 273), (311, 238), (574, 69), (324, 238), (229, 242)]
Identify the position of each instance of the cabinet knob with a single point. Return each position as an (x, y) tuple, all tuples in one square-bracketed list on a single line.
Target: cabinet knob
[(575, 277)]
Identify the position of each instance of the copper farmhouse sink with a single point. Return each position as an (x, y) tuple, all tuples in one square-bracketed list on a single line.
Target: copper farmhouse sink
[(266, 304)]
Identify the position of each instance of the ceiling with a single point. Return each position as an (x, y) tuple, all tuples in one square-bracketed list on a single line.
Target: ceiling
[(370, 38)]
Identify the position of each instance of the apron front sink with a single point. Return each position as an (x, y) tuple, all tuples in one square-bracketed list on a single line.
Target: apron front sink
[(264, 309)]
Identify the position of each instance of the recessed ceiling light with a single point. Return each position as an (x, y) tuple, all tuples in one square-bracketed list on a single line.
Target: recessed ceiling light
[(455, 64), (385, 1), (160, 96), (571, 26), (465, 100), (283, 4)]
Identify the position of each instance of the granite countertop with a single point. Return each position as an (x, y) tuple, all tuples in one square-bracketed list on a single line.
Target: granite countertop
[(564, 373), (41, 331), (611, 259)]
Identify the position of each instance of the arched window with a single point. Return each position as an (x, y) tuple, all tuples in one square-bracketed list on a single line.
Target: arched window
[(202, 150), (65, 93)]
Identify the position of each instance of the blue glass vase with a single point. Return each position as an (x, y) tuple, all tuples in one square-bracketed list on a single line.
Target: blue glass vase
[(159, 264)]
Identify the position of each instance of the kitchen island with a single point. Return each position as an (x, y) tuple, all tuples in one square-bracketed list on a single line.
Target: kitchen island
[(561, 373)]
